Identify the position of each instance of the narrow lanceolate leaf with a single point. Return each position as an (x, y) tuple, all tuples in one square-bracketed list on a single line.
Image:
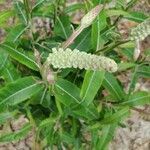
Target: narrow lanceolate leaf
[(20, 56), (117, 116), (67, 92), (4, 15), (114, 12), (74, 7), (87, 112), (137, 16), (20, 11), (16, 32), (38, 3), (144, 71), (107, 135), (97, 27), (138, 98), (111, 84), (62, 27), (3, 59), (5, 116), (91, 84), (18, 91), (7, 69), (10, 74), (82, 42), (16, 136), (113, 118), (47, 122)]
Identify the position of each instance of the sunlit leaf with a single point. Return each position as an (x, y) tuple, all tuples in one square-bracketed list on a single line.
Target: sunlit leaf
[(20, 56), (19, 91), (91, 84), (138, 98), (67, 92), (111, 84)]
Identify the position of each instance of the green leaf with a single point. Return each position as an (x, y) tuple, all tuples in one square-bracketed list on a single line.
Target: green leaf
[(38, 3), (4, 15), (3, 59), (5, 116), (20, 56), (128, 52), (97, 27), (125, 65), (82, 42), (144, 71), (67, 137), (85, 112), (16, 136), (10, 73), (7, 69), (67, 92), (116, 117), (19, 7), (43, 97), (19, 90), (137, 16), (138, 98), (91, 84), (74, 7), (114, 12), (134, 79), (139, 71), (15, 33), (106, 136), (112, 118), (111, 84), (47, 122), (120, 4), (62, 27)]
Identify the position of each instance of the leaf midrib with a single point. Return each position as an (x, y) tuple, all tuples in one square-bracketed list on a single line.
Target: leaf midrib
[(65, 34), (91, 79), (112, 88), (21, 54), (68, 93), (135, 99), (4, 100)]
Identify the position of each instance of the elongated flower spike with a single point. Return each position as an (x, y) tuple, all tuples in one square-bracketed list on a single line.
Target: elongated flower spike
[(88, 19), (141, 31), (60, 58)]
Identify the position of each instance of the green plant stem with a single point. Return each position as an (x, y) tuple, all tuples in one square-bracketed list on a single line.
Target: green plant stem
[(111, 46)]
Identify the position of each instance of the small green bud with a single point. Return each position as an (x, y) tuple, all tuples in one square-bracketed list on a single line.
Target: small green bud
[(67, 58), (141, 31)]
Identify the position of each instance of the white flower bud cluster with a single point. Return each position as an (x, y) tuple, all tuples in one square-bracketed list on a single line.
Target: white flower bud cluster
[(141, 31), (67, 58), (88, 19)]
